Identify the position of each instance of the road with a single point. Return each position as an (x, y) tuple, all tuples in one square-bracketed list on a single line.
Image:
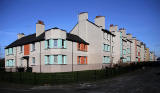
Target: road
[(141, 81)]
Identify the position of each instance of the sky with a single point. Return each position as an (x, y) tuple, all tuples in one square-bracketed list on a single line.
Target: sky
[(141, 18)]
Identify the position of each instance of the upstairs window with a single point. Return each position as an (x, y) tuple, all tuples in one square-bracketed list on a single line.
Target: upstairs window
[(6, 51), (32, 47), (10, 51), (55, 43), (82, 47), (21, 48)]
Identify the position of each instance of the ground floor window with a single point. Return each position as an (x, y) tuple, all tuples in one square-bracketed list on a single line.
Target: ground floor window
[(106, 59), (33, 61), (10, 63), (82, 60), (128, 58), (124, 60), (55, 59)]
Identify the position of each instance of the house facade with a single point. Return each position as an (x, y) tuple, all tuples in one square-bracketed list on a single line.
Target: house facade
[(122, 44), (88, 46), (55, 50)]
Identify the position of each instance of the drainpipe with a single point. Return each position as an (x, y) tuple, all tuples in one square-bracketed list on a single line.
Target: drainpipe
[(130, 51), (40, 56), (72, 56), (16, 59), (111, 52)]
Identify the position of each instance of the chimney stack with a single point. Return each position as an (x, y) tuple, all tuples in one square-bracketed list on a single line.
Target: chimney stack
[(83, 16), (123, 30), (39, 28), (100, 21), (20, 35), (129, 36), (113, 28)]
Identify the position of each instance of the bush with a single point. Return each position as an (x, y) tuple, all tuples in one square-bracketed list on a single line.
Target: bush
[(20, 69)]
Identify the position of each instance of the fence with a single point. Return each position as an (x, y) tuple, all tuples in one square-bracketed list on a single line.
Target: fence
[(70, 77)]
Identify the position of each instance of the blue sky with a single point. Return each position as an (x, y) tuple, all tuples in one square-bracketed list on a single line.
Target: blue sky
[(140, 17)]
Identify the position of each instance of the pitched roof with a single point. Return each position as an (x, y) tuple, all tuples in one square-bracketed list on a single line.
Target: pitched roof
[(107, 31), (32, 38), (75, 38), (92, 23), (26, 40)]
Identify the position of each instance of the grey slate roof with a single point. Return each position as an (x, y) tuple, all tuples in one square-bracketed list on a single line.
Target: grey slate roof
[(32, 38)]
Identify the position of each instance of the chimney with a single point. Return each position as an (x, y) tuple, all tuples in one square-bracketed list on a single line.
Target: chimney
[(83, 16), (39, 28), (20, 35), (129, 36), (113, 28), (123, 30), (100, 21)]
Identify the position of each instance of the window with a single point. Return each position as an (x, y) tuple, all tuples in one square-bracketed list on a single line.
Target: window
[(106, 59), (21, 62), (128, 50), (21, 49), (33, 60), (55, 43), (10, 51), (124, 51), (128, 58), (106, 47), (10, 63), (124, 60), (47, 59), (63, 59), (81, 59), (82, 47), (78, 46), (46, 44), (6, 51), (55, 59), (33, 47)]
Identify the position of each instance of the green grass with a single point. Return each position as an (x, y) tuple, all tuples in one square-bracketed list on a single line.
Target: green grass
[(68, 77)]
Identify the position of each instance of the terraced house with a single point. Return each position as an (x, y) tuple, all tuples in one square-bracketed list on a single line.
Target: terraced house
[(55, 50), (122, 52), (88, 46)]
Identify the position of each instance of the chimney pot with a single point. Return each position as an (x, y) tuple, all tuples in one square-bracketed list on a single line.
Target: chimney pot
[(40, 22), (111, 25)]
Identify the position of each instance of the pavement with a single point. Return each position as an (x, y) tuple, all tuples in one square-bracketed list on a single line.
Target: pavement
[(146, 80)]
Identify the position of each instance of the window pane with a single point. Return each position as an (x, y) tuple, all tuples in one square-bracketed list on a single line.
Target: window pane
[(46, 59), (59, 43), (55, 59), (50, 43), (51, 59)]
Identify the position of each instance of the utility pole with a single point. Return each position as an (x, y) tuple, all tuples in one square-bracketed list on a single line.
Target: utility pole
[(1, 51)]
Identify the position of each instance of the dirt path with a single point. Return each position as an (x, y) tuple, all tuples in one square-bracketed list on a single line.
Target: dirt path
[(141, 81)]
